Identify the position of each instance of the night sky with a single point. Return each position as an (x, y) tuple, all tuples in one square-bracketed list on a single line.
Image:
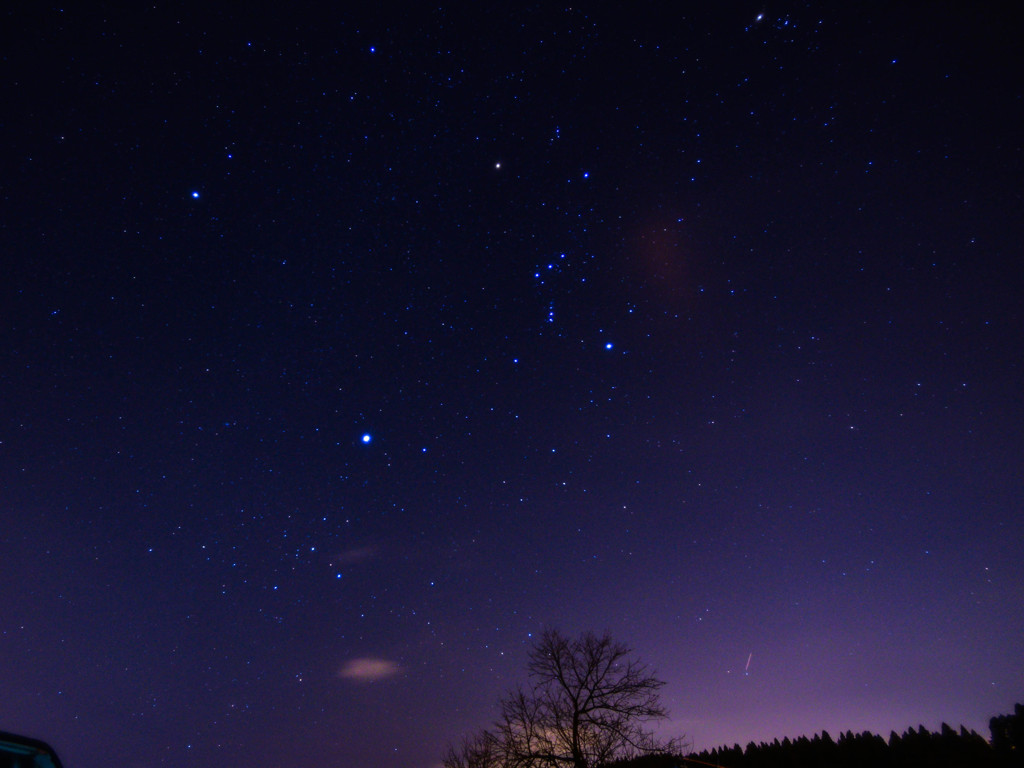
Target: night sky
[(343, 352)]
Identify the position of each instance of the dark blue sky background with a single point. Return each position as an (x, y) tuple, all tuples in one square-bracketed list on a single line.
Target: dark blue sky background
[(342, 352)]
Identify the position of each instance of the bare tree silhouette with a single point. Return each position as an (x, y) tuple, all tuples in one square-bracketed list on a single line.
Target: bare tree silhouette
[(588, 702)]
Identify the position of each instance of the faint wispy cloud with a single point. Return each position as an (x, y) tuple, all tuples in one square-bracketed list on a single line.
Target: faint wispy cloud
[(350, 556), (368, 669)]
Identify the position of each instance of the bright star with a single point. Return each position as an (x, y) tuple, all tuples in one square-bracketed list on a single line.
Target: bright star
[(367, 438), (195, 195)]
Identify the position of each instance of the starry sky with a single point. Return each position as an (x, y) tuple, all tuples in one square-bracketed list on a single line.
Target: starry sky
[(344, 351)]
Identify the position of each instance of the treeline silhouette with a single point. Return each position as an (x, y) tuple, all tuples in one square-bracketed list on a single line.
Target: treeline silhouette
[(915, 748)]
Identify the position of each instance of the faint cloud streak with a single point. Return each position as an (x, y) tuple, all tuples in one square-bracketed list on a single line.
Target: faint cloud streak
[(351, 556), (369, 670)]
